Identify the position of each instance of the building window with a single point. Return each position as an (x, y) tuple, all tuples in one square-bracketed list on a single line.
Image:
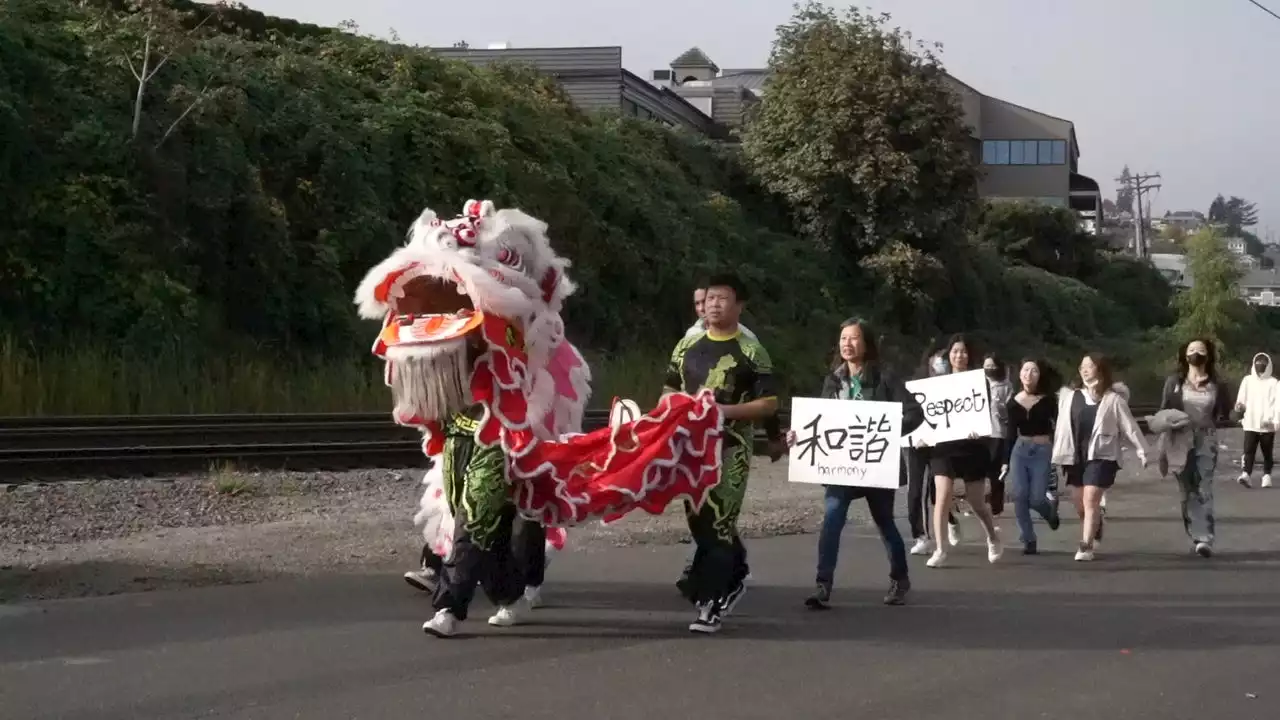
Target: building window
[(1024, 152)]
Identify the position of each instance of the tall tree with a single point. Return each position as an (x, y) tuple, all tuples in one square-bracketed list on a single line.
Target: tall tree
[(1218, 210), (1240, 214), (861, 131), (1124, 193), (1211, 307)]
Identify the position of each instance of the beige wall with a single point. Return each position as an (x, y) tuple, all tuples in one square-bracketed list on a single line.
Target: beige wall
[(970, 102), (1015, 181), (1006, 121)]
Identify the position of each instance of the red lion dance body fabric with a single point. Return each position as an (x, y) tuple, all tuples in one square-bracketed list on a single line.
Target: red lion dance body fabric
[(472, 326)]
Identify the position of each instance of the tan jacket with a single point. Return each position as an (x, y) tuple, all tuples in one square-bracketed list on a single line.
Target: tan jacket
[(1114, 423)]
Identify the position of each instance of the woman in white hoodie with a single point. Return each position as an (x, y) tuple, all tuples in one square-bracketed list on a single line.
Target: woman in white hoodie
[(1093, 418), (1257, 411)]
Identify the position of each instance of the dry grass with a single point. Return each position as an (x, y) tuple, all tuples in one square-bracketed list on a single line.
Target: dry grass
[(227, 480), (104, 382)]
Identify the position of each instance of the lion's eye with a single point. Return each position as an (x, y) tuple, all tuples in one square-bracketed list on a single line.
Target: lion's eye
[(509, 257)]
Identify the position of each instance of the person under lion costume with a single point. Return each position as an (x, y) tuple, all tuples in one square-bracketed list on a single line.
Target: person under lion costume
[(477, 359)]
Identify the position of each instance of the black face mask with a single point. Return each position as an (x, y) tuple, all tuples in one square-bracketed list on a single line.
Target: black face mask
[(1261, 367), (1195, 360), (995, 374)]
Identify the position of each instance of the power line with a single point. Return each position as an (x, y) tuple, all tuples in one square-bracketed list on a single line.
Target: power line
[(1265, 9)]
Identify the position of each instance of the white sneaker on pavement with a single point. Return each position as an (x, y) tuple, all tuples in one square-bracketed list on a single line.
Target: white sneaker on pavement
[(923, 546), (443, 625)]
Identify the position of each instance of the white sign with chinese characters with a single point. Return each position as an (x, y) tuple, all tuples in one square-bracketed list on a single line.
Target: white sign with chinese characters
[(956, 406), (845, 442)]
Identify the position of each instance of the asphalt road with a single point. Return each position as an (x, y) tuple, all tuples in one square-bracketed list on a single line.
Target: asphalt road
[(1147, 631)]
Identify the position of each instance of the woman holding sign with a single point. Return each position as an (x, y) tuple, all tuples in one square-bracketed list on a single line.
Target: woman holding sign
[(857, 375), (1093, 417), (967, 460)]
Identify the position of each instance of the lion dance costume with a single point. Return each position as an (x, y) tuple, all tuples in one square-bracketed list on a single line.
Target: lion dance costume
[(476, 358)]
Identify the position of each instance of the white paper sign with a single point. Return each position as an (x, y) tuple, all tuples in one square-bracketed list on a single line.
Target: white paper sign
[(845, 442), (955, 406)]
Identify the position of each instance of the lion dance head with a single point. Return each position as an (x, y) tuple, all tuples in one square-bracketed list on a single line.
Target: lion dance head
[(470, 311)]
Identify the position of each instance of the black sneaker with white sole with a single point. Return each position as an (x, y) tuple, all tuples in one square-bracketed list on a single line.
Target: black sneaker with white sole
[(897, 594), (819, 598), (708, 620), (730, 601)]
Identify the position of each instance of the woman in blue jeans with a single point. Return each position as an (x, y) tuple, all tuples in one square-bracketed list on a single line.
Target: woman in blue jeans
[(1031, 414), (857, 375)]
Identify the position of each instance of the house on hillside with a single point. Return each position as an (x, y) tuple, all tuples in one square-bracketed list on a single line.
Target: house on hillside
[(1173, 267), (594, 79), (1261, 287), (1188, 221)]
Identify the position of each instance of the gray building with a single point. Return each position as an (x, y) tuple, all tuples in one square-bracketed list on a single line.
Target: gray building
[(1028, 155), (594, 79), (1025, 154)]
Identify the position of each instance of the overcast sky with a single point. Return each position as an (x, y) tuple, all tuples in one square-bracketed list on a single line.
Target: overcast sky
[(1179, 87)]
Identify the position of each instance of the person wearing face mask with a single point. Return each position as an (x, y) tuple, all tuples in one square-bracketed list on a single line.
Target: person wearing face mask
[(858, 375), (1093, 417), (1256, 409), (967, 460), (1001, 390), (920, 491), (1196, 390)]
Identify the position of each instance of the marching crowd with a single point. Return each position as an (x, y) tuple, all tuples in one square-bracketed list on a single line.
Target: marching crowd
[(1046, 427)]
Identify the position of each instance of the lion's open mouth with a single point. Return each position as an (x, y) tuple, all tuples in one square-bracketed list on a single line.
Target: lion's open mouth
[(430, 311), (427, 295)]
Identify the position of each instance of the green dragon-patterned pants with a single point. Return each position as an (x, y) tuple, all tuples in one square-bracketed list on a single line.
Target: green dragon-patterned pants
[(483, 553), (720, 560)]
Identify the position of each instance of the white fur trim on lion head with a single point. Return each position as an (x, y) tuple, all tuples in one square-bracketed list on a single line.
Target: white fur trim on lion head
[(502, 259)]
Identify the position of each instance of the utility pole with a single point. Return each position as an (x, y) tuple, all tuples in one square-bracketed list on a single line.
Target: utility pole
[(1140, 184)]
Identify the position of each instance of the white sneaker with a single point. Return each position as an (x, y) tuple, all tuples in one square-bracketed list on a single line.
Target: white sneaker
[(923, 546), (424, 580), (1243, 480), (1084, 554), (1266, 481), (938, 559), (994, 550), (954, 537), (443, 625), (508, 615), (533, 596)]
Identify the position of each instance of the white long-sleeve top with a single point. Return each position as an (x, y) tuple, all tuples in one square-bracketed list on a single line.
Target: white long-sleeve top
[(1260, 395)]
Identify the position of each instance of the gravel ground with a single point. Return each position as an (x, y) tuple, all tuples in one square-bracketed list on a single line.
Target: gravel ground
[(90, 538), (93, 538)]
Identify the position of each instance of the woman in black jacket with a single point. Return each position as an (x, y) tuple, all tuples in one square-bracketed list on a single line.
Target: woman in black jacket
[(857, 375)]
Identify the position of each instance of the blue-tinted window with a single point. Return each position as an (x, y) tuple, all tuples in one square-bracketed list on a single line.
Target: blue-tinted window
[(1024, 152), (1045, 152)]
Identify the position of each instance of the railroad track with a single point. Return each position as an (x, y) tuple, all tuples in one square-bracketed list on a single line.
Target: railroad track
[(58, 448)]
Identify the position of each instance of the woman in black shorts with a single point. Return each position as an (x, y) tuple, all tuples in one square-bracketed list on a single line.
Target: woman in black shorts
[(1093, 417), (967, 460)]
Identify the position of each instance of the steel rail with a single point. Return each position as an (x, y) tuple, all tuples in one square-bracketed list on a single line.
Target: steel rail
[(100, 447)]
